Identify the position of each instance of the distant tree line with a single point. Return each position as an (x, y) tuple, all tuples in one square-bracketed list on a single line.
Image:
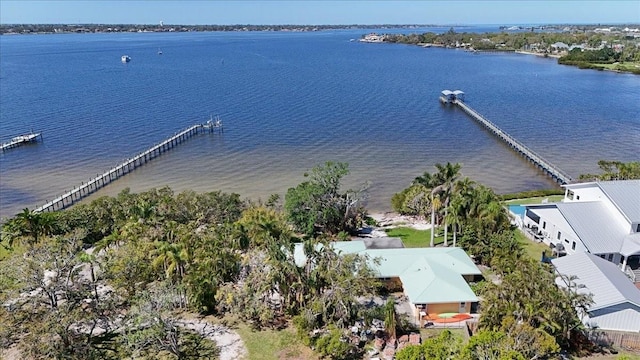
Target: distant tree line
[(73, 28), (614, 170), (509, 40)]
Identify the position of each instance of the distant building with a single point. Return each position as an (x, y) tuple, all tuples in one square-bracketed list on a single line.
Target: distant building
[(560, 46)]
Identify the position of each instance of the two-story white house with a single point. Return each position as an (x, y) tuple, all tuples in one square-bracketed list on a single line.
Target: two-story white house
[(601, 218)]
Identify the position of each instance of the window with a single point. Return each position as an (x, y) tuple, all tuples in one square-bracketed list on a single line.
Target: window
[(610, 257), (602, 256), (573, 246), (570, 195), (559, 235), (638, 228), (531, 215), (544, 225), (578, 197)]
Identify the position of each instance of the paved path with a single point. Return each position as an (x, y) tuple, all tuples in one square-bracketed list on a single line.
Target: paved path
[(229, 342)]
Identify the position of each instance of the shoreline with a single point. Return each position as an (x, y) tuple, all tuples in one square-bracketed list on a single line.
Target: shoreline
[(390, 219), (552, 56)]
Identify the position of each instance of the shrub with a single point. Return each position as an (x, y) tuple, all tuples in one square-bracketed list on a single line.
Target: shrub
[(335, 346)]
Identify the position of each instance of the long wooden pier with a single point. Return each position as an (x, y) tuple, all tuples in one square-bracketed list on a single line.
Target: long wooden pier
[(20, 140), (544, 165), (101, 180)]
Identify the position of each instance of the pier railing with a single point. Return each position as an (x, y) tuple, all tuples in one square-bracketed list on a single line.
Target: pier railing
[(555, 172), (101, 180), (20, 140)]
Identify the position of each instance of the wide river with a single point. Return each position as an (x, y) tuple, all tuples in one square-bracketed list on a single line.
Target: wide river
[(290, 101)]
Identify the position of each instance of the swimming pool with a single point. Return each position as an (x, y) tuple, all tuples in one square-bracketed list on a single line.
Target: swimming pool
[(518, 210)]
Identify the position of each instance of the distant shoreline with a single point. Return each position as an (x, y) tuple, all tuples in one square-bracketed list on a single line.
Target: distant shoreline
[(43, 29)]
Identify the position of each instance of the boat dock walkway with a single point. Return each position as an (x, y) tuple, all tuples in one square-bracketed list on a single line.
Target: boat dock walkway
[(544, 165), (21, 140), (101, 180)]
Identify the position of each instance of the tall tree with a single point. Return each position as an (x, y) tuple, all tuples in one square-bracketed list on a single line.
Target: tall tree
[(319, 206), (29, 225)]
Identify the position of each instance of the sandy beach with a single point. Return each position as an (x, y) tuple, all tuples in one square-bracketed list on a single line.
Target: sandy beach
[(555, 56), (389, 220)]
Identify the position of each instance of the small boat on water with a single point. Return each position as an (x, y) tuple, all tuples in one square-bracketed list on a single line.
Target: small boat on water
[(159, 51), (125, 58)]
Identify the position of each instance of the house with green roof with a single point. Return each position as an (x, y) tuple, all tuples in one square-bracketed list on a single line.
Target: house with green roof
[(435, 280)]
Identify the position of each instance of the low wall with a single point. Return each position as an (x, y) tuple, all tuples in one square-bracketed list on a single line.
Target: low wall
[(618, 339)]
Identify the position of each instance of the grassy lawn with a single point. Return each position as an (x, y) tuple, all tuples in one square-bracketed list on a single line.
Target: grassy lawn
[(412, 238), (626, 66), (428, 333), (535, 200), (274, 344), (532, 249)]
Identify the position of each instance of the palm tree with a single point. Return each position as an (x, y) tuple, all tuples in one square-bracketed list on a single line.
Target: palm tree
[(172, 257), (435, 205), (451, 173), (446, 177), (454, 217), (465, 190), (30, 224)]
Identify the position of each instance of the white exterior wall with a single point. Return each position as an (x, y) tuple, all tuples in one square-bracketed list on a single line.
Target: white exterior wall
[(566, 234), (551, 230), (580, 248), (592, 193), (624, 317)]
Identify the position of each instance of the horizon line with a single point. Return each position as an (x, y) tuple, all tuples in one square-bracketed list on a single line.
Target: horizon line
[(355, 24)]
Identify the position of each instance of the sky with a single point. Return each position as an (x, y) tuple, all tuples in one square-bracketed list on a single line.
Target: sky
[(266, 12)]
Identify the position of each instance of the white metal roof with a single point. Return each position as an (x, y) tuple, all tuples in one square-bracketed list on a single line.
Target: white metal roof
[(447, 92), (631, 245), (608, 284), (458, 92), (550, 213), (625, 195), (598, 230)]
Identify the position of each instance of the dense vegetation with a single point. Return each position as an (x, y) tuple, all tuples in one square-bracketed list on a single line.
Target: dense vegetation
[(113, 279), (599, 47), (615, 170), (155, 253)]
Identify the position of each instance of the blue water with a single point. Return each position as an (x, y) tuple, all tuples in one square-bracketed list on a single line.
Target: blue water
[(518, 210), (290, 101)]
